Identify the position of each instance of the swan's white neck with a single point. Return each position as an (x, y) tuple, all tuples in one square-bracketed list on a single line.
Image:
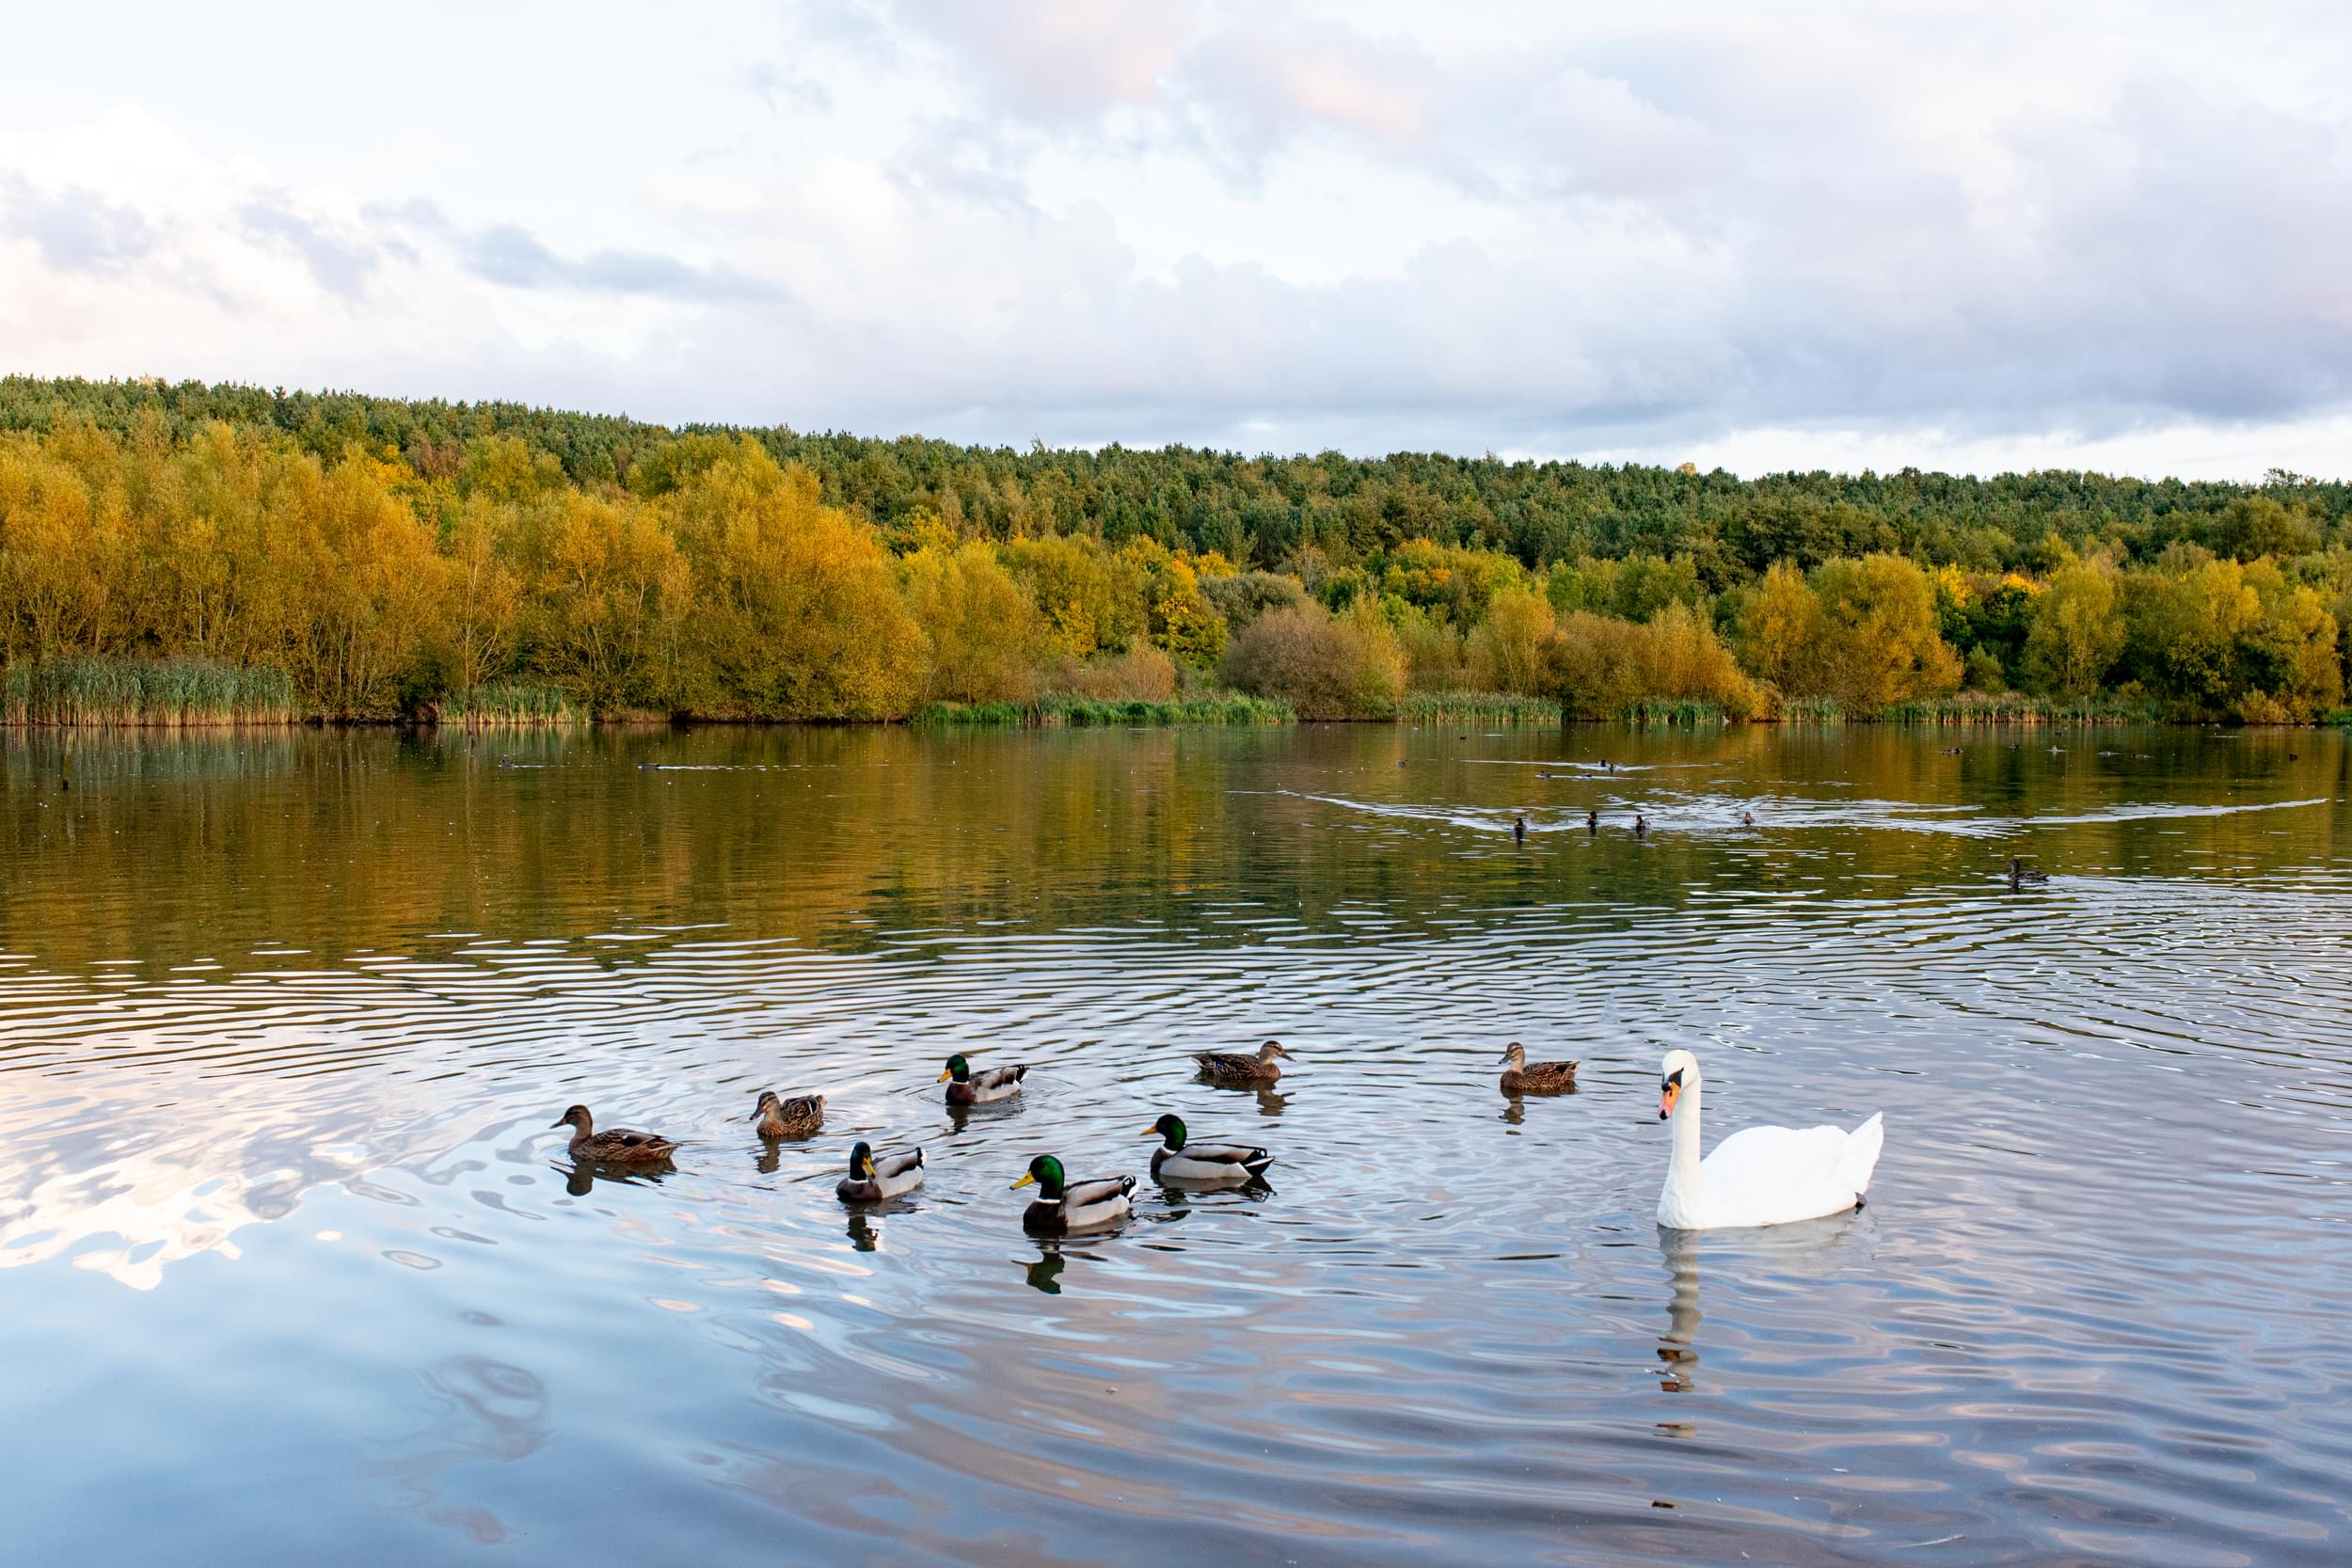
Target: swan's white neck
[(1679, 1205)]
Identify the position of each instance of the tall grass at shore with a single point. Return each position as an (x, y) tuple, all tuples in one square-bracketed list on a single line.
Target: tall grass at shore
[(509, 705), (2017, 707), (1078, 713), (1688, 711), (176, 693), (1475, 707)]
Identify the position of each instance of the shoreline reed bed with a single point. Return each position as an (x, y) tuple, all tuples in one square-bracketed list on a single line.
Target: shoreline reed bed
[(98, 692), (2016, 708), (1687, 712), (1080, 713), (508, 704), (1488, 707)]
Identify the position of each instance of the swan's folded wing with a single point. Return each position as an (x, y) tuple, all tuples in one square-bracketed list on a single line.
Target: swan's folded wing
[(1773, 1175)]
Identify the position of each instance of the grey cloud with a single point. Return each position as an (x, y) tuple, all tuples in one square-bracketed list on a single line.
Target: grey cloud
[(513, 257), (77, 229), (341, 268)]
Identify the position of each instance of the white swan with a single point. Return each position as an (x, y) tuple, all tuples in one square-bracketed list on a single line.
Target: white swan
[(1759, 1175)]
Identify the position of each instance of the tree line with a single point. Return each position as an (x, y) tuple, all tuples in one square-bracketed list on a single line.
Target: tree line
[(399, 558)]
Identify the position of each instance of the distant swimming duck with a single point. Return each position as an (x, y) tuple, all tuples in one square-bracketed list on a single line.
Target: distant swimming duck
[(966, 1087), (872, 1180), (1220, 1066), (1064, 1208), (618, 1146), (2021, 875), (1521, 1076), (1747, 819), (1592, 822), (1641, 826), (788, 1118), (1519, 829), (1180, 1162)]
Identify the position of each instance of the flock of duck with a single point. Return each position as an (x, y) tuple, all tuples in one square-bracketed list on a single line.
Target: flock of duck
[(1759, 1175)]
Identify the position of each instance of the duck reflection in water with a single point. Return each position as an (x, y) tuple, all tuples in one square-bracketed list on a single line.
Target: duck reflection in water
[(582, 1176), (1270, 1098), (1044, 1273)]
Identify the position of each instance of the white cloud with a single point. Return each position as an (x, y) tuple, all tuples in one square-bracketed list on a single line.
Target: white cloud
[(2004, 236)]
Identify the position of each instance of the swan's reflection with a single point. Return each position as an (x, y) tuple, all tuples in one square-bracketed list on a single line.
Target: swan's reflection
[(1678, 1348), (1808, 1246)]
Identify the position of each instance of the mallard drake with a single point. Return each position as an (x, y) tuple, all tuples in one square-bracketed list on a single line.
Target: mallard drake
[(1219, 1066), (1592, 822), (1061, 1208), (795, 1118), (871, 1181), (1201, 1165), (618, 1146), (1519, 829), (1521, 1076), (2021, 875), (1641, 826), (966, 1087)]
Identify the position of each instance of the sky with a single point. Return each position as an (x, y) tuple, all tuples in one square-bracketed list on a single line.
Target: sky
[(1974, 237)]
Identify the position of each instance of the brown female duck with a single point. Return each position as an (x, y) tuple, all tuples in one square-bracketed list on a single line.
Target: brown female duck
[(620, 1146), (795, 1118), (1521, 1076), (1220, 1066)]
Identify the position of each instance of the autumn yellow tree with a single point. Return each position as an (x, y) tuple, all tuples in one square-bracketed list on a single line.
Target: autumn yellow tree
[(798, 613), (1506, 649), (2078, 631), (983, 630)]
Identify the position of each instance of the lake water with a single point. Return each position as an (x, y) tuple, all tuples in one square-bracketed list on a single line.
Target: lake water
[(292, 1268)]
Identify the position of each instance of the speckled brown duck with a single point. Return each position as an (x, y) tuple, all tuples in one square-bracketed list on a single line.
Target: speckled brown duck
[(1521, 1076), (1219, 1066), (796, 1117), (618, 1145)]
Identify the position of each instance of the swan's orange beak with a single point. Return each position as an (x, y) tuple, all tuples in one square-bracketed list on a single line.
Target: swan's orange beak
[(1666, 1100)]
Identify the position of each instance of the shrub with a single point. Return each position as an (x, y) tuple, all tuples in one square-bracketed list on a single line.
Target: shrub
[(1245, 597), (1142, 673), (1325, 666)]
